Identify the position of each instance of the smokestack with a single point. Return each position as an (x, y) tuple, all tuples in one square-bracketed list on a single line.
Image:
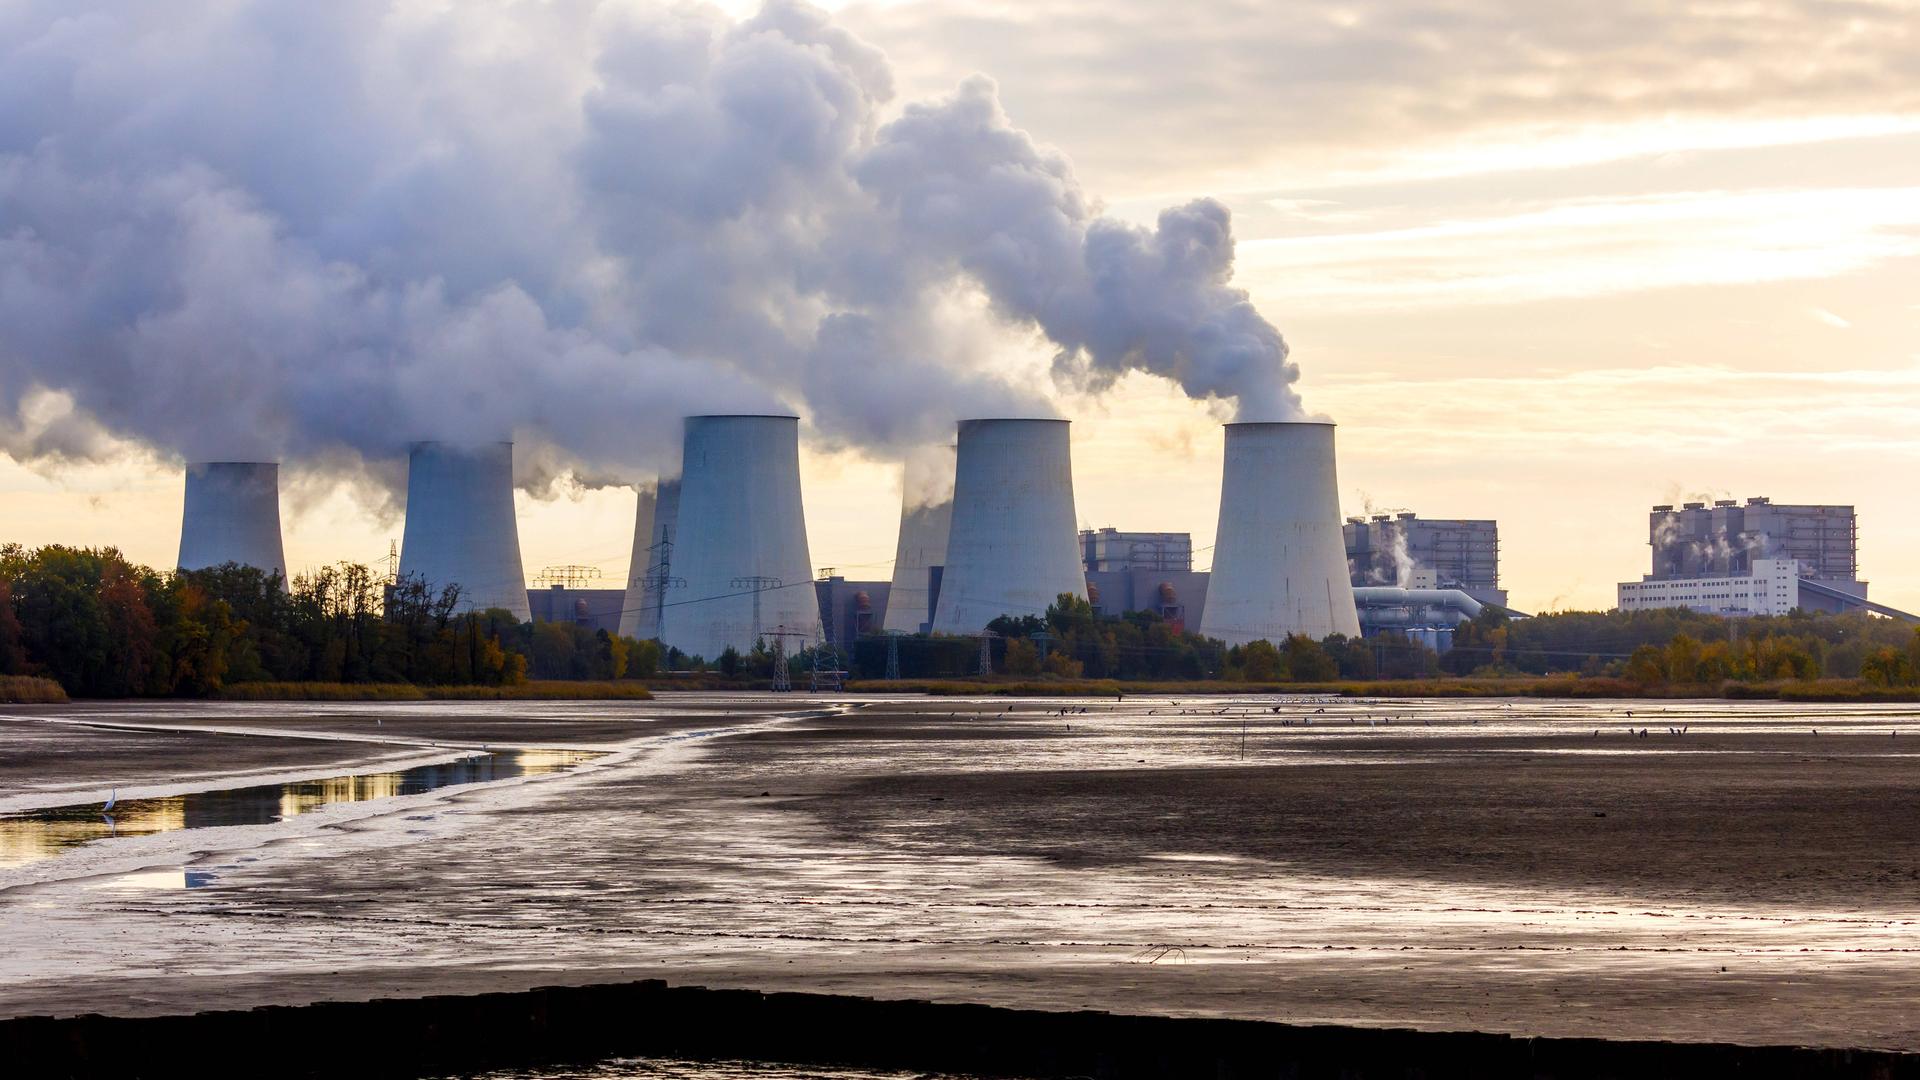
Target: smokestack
[(1279, 558), (232, 514), (742, 543), (460, 525), (650, 574), (926, 515), (1014, 545)]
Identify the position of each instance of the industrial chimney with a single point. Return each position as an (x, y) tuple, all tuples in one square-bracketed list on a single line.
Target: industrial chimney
[(1279, 558), (741, 548), (926, 514), (232, 515), (650, 573), (460, 525), (1014, 545)]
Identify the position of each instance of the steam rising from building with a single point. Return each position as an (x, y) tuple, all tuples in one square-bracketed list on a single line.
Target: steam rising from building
[(571, 223), (926, 518)]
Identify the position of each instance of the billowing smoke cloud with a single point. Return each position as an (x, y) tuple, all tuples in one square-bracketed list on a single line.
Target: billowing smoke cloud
[(927, 479), (318, 231)]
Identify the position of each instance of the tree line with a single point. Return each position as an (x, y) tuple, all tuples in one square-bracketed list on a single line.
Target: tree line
[(1664, 646), (102, 626), (1674, 645)]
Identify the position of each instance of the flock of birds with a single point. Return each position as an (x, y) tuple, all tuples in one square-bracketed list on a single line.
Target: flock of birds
[(1306, 719)]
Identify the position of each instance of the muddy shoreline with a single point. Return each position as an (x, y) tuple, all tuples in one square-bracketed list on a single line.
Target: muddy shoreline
[(1419, 865), (552, 1025)]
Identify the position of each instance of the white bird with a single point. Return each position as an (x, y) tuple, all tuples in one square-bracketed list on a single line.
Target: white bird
[(113, 796)]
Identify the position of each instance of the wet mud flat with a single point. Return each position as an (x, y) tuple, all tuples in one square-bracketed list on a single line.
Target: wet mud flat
[(1445, 867), (612, 1031), (76, 756)]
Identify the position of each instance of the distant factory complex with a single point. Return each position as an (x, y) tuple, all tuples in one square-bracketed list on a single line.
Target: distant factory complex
[(720, 557), (1756, 558)]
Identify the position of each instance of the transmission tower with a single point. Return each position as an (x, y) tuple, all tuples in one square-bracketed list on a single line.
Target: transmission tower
[(782, 680), (393, 562), (893, 655), (573, 576), (758, 584), (986, 653), (827, 677), (659, 579)]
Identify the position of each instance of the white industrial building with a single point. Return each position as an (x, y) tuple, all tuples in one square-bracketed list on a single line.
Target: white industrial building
[(1770, 587), (461, 528), (1014, 544), (232, 515), (1756, 558), (1279, 559), (920, 554), (650, 570), (740, 568)]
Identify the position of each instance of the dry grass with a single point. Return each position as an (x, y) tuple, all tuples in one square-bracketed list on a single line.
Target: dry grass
[(545, 690), (1548, 686), (1009, 687), (321, 691), (30, 690), (529, 691), (1845, 690)]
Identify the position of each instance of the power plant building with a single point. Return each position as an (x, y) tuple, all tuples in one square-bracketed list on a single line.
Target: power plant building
[(460, 525), (594, 609), (920, 553), (650, 580), (1014, 546), (1279, 564), (741, 543), (1391, 550), (231, 514), (1752, 558), (850, 610), (1144, 571)]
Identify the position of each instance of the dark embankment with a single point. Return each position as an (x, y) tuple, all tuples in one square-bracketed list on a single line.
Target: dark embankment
[(439, 1035)]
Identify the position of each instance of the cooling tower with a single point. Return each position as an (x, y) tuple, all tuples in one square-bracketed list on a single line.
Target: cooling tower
[(460, 525), (740, 562), (1279, 559), (650, 574), (232, 515), (926, 514), (1014, 545)]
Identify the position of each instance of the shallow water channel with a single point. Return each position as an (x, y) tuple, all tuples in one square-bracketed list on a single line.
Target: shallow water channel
[(42, 834)]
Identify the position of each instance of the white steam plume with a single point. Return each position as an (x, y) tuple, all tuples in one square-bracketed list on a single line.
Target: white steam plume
[(318, 231)]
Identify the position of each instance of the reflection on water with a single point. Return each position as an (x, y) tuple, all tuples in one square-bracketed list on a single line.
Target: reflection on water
[(42, 834), (141, 880), (667, 1069)]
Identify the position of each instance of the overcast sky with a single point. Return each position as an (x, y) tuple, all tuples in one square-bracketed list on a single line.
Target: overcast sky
[(1548, 264)]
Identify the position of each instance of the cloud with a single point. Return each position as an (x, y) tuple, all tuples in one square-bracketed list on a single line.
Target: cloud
[(1578, 418), (1503, 253), (320, 231), (1230, 96)]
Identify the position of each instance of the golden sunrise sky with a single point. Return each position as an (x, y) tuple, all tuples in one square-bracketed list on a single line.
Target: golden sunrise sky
[(1544, 263)]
